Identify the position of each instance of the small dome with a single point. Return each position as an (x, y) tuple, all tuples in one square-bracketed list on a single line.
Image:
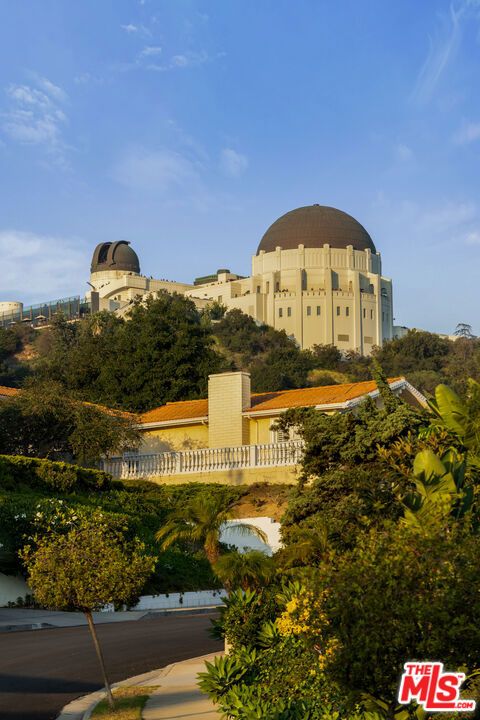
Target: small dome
[(115, 256), (313, 226)]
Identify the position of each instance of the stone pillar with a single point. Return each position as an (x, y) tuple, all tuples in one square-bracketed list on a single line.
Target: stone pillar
[(228, 397)]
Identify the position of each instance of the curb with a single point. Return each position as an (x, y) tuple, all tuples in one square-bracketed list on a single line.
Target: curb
[(149, 615), (82, 708)]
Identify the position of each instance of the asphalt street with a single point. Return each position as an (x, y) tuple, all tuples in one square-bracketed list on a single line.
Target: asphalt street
[(43, 670)]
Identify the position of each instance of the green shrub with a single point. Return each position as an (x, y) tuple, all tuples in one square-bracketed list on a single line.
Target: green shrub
[(225, 673), (243, 617), (19, 473)]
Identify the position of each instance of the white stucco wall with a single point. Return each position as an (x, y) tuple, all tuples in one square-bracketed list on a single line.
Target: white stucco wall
[(11, 588), (201, 598), (271, 528)]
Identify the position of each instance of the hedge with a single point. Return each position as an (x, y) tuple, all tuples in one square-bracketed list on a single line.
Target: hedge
[(18, 473)]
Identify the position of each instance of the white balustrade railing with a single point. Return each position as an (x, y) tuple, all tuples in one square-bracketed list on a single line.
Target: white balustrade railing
[(205, 460)]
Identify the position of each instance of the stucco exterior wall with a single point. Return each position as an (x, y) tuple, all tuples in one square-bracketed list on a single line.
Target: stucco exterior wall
[(183, 437), (11, 588), (249, 476)]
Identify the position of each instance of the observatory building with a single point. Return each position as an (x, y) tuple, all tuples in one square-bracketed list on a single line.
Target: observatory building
[(316, 274)]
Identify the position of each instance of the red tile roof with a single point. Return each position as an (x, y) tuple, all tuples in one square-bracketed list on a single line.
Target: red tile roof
[(308, 397), (8, 391), (186, 410), (280, 400)]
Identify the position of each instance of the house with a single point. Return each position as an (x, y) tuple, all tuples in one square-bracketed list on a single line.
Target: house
[(230, 436)]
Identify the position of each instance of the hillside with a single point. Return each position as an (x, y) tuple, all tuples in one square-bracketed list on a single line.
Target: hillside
[(166, 349)]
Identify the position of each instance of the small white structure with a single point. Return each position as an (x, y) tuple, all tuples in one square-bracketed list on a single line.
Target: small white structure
[(11, 588), (233, 536)]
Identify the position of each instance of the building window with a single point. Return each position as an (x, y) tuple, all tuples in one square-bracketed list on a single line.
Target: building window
[(343, 338), (371, 314), (368, 340), (268, 287), (364, 313), (258, 288), (289, 312), (277, 287), (278, 435), (280, 312), (347, 311), (318, 309), (309, 310), (338, 309)]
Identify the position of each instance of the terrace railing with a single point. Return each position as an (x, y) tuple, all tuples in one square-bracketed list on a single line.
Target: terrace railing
[(205, 460)]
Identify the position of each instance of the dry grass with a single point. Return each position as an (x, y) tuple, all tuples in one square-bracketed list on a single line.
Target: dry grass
[(129, 702), (263, 499)]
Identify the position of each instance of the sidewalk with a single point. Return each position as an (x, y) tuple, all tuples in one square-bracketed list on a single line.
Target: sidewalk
[(177, 696)]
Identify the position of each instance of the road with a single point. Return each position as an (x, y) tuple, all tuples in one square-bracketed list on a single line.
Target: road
[(43, 670)]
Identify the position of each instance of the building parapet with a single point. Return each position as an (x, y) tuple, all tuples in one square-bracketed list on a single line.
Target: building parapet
[(205, 460)]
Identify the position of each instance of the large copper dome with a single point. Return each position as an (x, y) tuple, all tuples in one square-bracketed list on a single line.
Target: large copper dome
[(313, 226)]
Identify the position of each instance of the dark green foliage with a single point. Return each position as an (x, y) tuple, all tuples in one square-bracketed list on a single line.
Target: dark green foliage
[(327, 357), (181, 570), (415, 351), (161, 352), (43, 422), (22, 473), (9, 343), (281, 369), (243, 615), (273, 359), (346, 501), (401, 594), (350, 438), (427, 360), (12, 341)]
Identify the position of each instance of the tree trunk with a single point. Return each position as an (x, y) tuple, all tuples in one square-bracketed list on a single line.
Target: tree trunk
[(98, 649)]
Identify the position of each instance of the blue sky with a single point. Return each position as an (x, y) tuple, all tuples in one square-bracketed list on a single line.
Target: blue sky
[(188, 127)]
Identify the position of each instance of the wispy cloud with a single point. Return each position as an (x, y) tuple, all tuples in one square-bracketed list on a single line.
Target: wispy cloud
[(34, 116), (450, 219), (185, 60), (150, 51), (132, 29), (468, 132), (442, 47), (444, 43), (233, 163), (473, 238), (54, 265), (155, 171), (403, 152)]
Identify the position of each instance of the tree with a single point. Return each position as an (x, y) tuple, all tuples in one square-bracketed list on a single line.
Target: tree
[(398, 594), (350, 438), (43, 422), (464, 330), (201, 521), (86, 568), (283, 369), (248, 570), (327, 357), (417, 350), (160, 352)]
